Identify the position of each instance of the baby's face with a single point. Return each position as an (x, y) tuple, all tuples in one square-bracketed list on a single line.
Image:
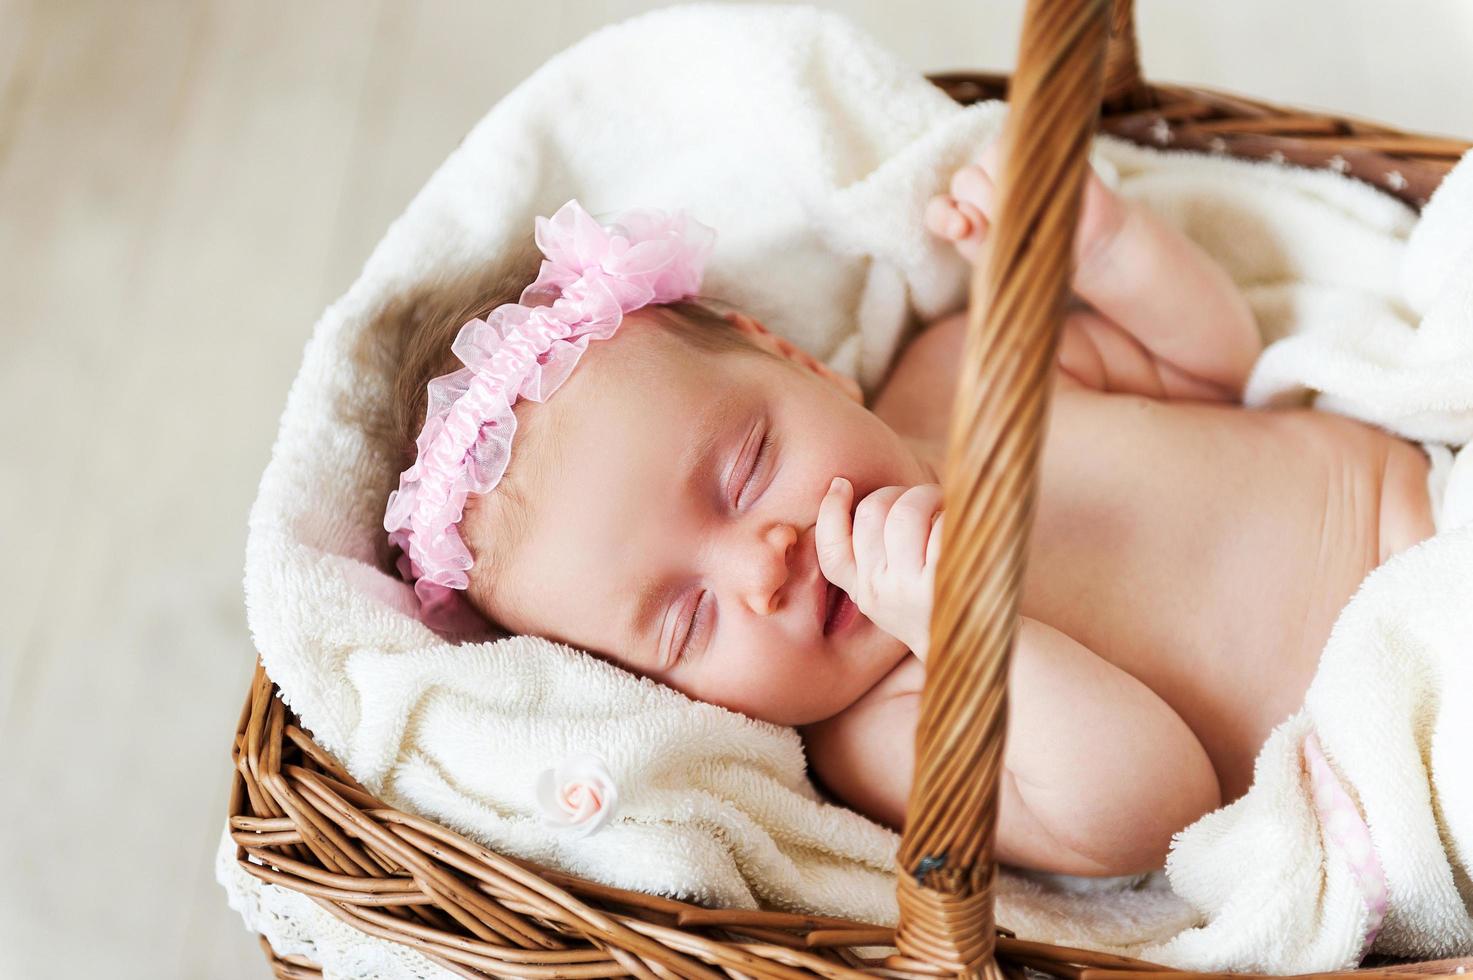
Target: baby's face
[(673, 528)]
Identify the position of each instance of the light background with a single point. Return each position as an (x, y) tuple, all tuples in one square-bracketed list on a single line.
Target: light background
[(183, 187)]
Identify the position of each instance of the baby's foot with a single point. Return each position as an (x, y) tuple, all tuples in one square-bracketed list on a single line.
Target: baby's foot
[(964, 216)]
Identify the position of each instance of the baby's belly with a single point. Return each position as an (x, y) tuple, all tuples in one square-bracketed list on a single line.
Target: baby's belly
[(1208, 549)]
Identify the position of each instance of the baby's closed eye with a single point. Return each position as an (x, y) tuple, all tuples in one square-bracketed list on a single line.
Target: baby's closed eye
[(760, 461), (695, 624)]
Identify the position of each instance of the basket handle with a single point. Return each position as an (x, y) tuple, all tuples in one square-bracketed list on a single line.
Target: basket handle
[(946, 854), (1124, 87)]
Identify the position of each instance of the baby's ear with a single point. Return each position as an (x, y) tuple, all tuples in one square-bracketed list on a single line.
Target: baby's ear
[(772, 343)]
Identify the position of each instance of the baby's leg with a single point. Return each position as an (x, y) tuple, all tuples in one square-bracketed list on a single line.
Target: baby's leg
[(1099, 771)]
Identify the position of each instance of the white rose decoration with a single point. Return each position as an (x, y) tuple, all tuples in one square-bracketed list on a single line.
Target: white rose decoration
[(579, 793)]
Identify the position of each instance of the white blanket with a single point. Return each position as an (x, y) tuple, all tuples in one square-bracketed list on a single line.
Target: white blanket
[(812, 152)]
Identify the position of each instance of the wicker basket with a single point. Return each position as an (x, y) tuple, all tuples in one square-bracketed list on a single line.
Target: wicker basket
[(478, 913)]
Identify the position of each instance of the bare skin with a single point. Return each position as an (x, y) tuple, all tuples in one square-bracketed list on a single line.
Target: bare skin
[(1188, 558)]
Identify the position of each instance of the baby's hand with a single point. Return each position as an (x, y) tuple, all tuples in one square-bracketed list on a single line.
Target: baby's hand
[(885, 561), (964, 217)]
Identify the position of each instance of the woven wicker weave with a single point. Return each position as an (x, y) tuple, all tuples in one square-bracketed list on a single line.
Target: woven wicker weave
[(477, 913)]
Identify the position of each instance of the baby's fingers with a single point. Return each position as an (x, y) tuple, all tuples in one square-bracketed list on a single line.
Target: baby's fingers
[(870, 518), (959, 223), (933, 543), (944, 219), (990, 159), (834, 535), (908, 525), (974, 193)]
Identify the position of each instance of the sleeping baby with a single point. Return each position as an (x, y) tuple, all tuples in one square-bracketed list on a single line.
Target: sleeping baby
[(705, 505)]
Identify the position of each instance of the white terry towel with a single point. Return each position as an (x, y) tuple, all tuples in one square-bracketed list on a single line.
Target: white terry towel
[(812, 152)]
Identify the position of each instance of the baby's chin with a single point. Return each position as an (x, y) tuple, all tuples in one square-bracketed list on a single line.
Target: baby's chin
[(849, 680)]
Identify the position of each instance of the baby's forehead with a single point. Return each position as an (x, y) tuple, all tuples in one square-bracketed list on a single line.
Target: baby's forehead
[(646, 369), (633, 403), (652, 383)]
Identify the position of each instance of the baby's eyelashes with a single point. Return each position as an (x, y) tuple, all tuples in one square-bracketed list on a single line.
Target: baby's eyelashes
[(762, 462)]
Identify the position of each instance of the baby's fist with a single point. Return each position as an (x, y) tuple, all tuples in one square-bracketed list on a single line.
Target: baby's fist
[(964, 216), (885, 559)]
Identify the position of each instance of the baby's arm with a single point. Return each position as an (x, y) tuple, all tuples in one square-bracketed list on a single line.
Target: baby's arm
[(1100, 772), (1161, 305), (1163, 290)]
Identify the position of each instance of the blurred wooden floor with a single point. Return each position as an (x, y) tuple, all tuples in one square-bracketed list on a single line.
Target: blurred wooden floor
[(183, 187)]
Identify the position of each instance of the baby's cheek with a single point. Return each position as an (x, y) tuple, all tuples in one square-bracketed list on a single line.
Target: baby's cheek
[(776, 685)]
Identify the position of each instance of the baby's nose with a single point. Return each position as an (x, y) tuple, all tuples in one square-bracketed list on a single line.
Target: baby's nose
[(773, 570)]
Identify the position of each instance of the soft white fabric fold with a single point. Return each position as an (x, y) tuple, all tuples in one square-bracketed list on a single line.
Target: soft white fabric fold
[(812, 152)]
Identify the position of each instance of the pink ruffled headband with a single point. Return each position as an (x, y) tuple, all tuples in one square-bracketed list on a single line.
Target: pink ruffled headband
[(591, 276)]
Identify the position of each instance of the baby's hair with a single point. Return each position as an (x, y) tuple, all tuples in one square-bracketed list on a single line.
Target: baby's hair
[(409, 343)]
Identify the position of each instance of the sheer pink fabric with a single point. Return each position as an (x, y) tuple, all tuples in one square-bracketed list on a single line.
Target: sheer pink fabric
[(591, 275), (1341, 820)]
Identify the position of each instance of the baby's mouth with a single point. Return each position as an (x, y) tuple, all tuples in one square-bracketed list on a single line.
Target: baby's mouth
[(837, 599)]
